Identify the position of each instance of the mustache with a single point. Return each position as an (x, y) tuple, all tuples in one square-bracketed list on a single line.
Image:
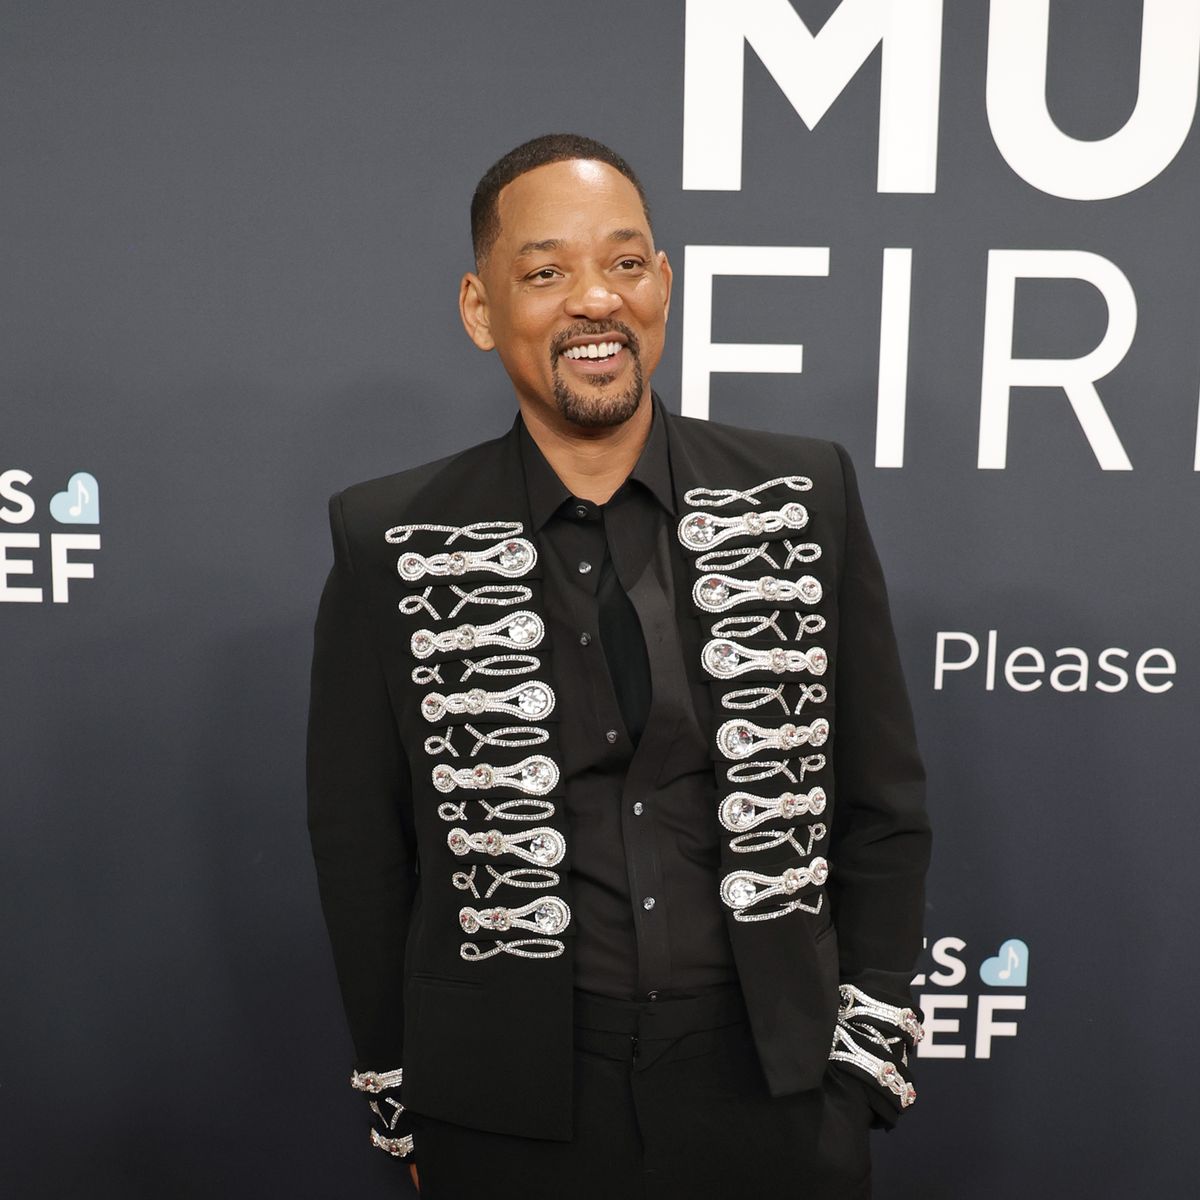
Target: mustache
[(593, 329)]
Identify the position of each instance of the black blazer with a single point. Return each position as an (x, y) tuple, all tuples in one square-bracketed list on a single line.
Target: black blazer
[(485, 1039)]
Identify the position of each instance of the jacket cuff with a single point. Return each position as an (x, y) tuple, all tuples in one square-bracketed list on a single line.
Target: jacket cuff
[(391, 1131), (873, 1038)]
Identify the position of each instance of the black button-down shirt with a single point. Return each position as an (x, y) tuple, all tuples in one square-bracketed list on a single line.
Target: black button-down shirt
[(638, 775)]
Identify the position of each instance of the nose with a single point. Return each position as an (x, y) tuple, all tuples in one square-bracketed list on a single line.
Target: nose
[(591, 297)]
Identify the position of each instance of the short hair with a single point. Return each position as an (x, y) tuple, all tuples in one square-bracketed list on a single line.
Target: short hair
[(537, 152)]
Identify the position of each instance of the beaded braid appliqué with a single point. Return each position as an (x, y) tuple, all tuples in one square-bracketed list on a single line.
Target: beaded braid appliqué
[(495, 548)]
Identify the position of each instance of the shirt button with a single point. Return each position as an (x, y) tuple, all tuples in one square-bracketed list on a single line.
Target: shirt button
[(580, 510), (611, 735), (648, 903), (652, 994), (638, 809), (585, 638), (584, 567)]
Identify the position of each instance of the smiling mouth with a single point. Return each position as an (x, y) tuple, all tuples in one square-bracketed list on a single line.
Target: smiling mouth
[(593, 351)]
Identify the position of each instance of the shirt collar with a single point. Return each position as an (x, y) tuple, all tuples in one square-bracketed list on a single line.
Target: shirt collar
[(652, 470)]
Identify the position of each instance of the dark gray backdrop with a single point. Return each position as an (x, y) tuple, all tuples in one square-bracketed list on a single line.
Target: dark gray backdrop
[(232, 239)]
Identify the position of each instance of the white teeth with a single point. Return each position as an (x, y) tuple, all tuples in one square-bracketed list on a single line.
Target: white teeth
[(593, 350)]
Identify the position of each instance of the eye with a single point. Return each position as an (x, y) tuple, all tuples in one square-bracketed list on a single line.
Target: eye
[(629, 264), (542, 275)]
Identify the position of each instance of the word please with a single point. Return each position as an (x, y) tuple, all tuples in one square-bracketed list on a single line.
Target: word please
[(1070, 669)]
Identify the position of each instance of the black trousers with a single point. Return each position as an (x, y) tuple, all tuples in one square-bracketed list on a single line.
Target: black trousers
[(670, 1104)]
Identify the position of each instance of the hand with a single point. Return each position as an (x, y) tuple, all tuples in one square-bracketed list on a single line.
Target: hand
[(412, 1170)]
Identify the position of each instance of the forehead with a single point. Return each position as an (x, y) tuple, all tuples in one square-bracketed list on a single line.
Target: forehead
[(577, 200)]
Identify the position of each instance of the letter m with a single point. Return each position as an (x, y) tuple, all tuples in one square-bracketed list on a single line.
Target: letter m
[(812, 70)]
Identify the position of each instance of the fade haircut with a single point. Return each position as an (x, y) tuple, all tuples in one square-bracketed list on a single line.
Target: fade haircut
[(537, 152)]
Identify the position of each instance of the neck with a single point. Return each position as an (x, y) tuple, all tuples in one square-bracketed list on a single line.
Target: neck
[(591, 462)]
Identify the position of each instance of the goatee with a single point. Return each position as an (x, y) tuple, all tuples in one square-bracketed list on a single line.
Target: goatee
[(598, 410)]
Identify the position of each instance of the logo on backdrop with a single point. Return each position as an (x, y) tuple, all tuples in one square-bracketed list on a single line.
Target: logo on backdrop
[(812, 70), (948, 1007), (46, 555)]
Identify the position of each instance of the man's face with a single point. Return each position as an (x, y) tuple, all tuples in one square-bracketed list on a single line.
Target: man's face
[(573, 295)]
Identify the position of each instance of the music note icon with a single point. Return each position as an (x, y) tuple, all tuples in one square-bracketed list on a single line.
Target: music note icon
[(79, 502), (83, 496), (1011, 962)]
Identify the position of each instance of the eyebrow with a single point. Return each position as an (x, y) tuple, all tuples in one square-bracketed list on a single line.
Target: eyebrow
[(543, 247)]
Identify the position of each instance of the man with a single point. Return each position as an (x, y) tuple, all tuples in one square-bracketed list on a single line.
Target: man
[(614, 795)]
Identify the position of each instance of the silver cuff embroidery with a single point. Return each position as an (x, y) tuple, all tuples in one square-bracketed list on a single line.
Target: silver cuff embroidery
[(397, 1147), (375, 1081), (855, 1005)]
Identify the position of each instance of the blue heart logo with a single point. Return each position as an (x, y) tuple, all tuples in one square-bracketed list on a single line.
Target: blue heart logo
[(80, 503), (1010, 966)]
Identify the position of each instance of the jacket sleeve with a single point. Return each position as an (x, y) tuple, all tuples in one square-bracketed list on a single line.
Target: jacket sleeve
[(880, 840), (358, 791)]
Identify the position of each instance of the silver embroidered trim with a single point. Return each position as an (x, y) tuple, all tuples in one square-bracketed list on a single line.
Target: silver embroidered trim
[(520, 809), (725, 659), (751, 772), (705, 530), (857, 1003), (397, 1147), (544, 846), (389, 1123), (502, 594), (533, 699), (510, 735), (718, 497), (535, 775), (742, 888), (769, 839), (482, 531), (375, 1081), (882, 1070), (734, 558), (739, 738), (810, 693), (750, 624), (545, 914), (487, 666), (520, 630), (716, 593), (553, 948), (511, 558), (741, 810), (518, 877)]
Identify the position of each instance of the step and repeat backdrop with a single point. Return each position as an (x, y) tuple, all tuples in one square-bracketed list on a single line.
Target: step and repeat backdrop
[(958, 237)]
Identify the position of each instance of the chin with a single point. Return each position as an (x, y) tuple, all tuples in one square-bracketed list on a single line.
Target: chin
[(599, 409)]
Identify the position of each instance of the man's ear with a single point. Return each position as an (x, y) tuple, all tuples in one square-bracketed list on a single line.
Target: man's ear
[(473, 308), (664, 270)]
